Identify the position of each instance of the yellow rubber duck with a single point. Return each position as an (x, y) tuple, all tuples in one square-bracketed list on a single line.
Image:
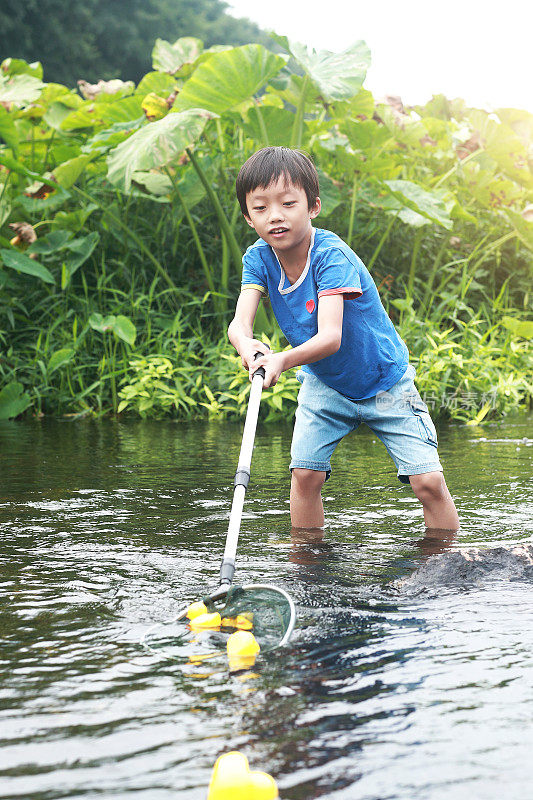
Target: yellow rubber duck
[(205, 621), (233, 780), (242, 647)]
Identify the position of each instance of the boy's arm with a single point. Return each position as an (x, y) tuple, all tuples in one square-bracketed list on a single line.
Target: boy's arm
[(240, 331), (324, 343)]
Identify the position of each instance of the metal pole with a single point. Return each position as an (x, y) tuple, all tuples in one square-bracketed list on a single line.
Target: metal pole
[(242, 477)]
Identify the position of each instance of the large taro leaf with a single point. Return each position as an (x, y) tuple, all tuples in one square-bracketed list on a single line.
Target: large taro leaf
[(20, 89), (427, 204), (22, 263), (337, 76), (13, 400), (93, 114), (329, 194), (110, 137), (155, 145), (157, 82), (268, 125), (523, 228), (520, 121), (169, 58), (8, 132), (67, 173), (229, 78), (17, 66)]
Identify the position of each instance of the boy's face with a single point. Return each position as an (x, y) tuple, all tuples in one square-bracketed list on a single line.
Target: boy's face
[(280, 215)]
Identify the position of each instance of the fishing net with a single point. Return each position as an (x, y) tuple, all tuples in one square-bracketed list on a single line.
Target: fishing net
[(267, 612)]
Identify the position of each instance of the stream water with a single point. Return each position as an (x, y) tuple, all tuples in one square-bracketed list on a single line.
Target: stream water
[(108, 527)]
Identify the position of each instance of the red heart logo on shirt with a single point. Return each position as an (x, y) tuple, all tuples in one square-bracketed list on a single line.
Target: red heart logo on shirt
[(310, 306)]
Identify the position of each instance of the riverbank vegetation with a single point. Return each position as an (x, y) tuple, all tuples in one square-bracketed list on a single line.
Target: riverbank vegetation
[(121, 238)]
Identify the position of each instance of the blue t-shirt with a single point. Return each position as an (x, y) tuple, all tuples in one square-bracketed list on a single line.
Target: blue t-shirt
[(372, 356)]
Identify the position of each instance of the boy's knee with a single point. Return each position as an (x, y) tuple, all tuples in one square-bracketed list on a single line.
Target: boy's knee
[(429, 486), (307, 480)]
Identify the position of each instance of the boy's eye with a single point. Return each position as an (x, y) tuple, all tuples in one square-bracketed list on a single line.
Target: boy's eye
[(259, 208), (289, 203)]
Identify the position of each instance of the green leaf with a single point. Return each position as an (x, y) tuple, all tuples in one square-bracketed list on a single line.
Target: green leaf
[(329, 194), (154, 107), (520, 327), (59, 358), (156, 183), (229, 78), (156, 145), (523, 228), (94, 114), (74, 220), (157, 82), (169, 58), (100, 323), (17, 66), (277, 122), (8, 132), (20, 89), (21, 263), (51, 243), (337, 76), (125, 330), (81, 249), (13, 400), (424, 202), (67, 173), (111, 137)]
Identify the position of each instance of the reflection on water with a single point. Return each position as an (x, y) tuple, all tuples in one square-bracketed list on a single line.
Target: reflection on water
[(110, 527)]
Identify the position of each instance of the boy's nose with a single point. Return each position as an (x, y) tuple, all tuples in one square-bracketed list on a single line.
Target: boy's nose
[(276, 215)]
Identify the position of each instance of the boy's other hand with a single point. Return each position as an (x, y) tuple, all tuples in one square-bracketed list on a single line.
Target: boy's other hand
[(274, 364), (249, 349)]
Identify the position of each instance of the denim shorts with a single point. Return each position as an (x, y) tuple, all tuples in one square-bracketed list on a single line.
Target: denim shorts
[(398, 417)]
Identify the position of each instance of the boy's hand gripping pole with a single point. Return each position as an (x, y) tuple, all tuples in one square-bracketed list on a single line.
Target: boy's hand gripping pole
[(242, 477)]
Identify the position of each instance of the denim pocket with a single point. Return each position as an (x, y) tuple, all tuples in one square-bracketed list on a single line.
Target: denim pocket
[(425, 423)]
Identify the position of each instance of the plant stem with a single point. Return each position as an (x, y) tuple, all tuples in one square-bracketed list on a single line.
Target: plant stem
[(414, 256), (381, 241), (205, 266), (456, 166), (138, 241), (235, 250), (352, 210), (261, 121), (298, 125)]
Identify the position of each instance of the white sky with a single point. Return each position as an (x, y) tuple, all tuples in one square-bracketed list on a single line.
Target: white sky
[(480, 50)]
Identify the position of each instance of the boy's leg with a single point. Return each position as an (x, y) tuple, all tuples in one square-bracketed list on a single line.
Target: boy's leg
[(401, 420), (322, 419), (437, 502), (307, 510)]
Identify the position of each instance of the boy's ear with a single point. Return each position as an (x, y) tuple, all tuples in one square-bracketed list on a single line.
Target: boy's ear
[(315, 211), (248, 220)]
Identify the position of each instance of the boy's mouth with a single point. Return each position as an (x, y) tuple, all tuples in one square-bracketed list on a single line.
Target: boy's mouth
[(278, 231)]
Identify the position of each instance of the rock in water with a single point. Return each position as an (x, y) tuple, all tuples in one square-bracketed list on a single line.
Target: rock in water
[(471, 567)]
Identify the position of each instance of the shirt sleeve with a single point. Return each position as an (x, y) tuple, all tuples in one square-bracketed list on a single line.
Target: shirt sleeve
[(338, 274), (253, 274)]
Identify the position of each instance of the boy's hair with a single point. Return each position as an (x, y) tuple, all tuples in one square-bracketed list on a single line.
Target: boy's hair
[(268, 164)]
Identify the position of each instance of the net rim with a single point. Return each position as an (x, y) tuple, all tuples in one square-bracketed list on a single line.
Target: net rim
[(290, 627)]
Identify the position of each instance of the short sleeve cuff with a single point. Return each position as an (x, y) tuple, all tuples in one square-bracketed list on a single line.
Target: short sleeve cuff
[(257, 286), (351, 292)]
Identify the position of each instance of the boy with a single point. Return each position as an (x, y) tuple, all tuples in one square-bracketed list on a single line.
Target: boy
[(355, 366)]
